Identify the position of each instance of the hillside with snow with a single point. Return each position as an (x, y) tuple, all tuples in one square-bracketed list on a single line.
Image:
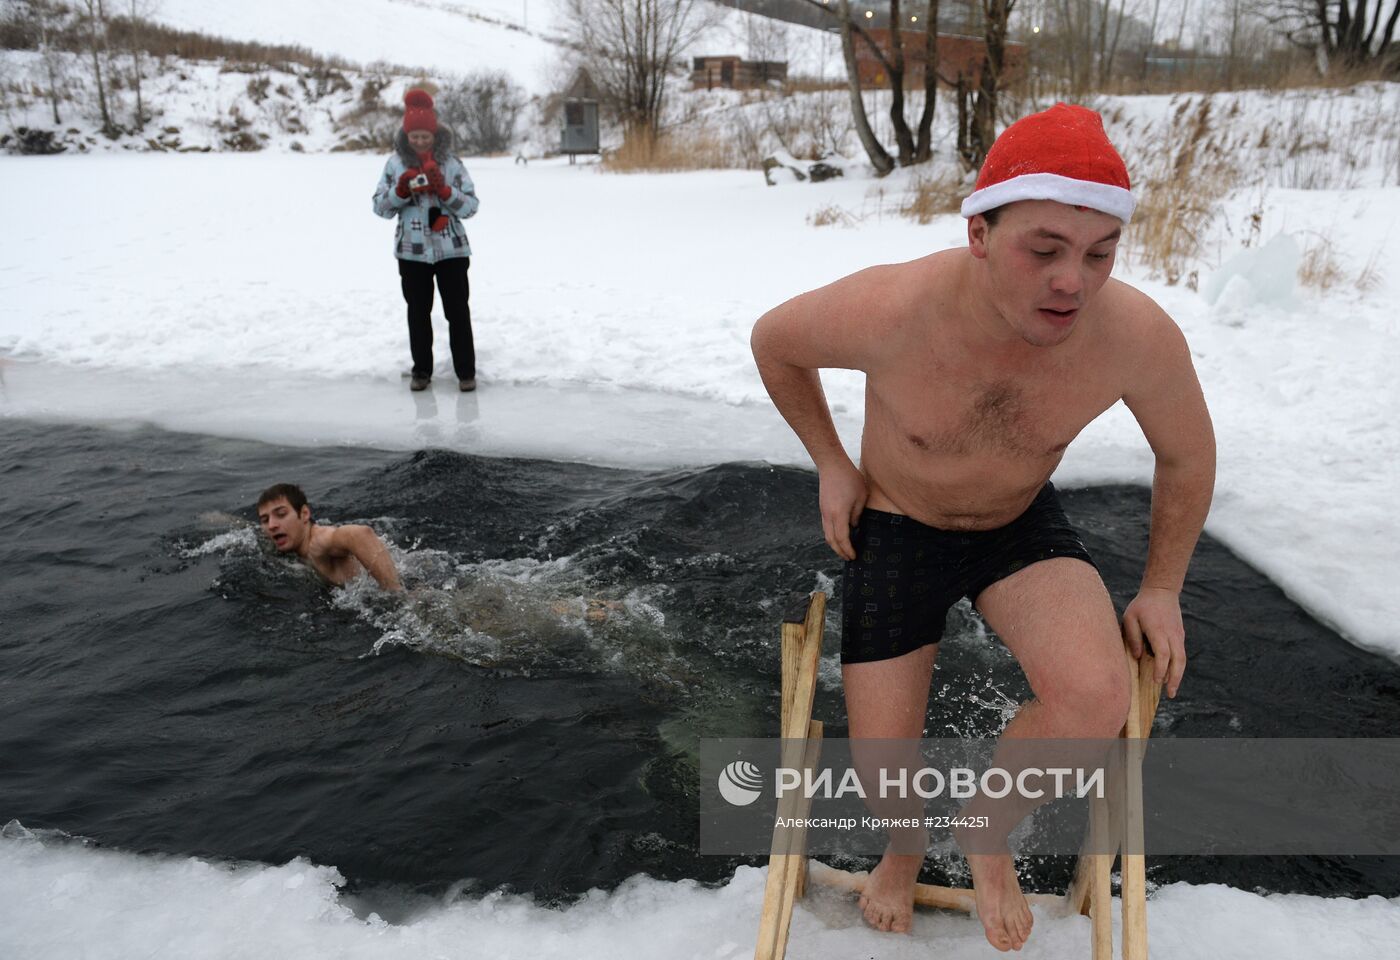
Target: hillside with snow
[(433, 36)]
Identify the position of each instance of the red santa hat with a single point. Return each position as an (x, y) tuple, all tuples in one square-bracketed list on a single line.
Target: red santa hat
[(418, 113), (1058, 154)]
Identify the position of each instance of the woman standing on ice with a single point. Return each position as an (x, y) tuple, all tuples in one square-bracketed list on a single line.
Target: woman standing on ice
[(428, 189)]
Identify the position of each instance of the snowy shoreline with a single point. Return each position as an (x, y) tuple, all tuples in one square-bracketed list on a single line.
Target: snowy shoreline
[(110, 903)]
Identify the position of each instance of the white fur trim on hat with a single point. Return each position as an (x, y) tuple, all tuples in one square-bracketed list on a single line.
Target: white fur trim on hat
[(1114, 201)]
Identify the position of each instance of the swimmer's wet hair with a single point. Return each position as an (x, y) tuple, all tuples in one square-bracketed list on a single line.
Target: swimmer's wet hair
[(284, 491)]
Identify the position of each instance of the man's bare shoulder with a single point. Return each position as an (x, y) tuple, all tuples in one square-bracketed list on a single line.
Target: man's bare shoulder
[(857, 322), (1133, 319), (1144, 343), (892, 295), (345, 536)]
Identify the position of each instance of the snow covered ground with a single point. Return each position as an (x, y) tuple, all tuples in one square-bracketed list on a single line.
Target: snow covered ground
[(108, 904)]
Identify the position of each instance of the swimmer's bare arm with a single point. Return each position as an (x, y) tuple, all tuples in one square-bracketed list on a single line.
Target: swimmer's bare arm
[(843, 325), (1165, 397), (365, 546)]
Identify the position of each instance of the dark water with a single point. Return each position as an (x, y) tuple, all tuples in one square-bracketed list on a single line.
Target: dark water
[(169, 685)]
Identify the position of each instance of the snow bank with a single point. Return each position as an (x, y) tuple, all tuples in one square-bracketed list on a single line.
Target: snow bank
[(64, 899)]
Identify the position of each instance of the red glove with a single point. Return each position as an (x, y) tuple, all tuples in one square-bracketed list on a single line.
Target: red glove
[(403, 189), (436, 181)]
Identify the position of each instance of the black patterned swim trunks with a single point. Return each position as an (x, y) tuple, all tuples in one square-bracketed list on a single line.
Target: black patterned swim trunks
[(896, 594)]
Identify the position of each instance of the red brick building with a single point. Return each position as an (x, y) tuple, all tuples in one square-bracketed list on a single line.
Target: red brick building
[(956, 57)]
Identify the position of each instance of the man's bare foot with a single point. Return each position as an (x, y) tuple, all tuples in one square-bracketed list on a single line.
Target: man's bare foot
[(1001, 906), (887, 899)]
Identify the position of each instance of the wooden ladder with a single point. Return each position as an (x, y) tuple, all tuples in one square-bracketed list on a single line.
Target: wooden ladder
[(789, 869)]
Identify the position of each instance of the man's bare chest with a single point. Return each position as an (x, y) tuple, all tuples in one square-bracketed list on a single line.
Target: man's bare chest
[(1023, 418), (335, 567)]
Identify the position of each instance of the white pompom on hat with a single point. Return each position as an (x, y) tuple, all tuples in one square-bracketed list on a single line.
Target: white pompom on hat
[(1058, 154)]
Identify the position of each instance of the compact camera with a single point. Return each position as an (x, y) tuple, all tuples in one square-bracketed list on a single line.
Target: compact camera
[(419, 181)]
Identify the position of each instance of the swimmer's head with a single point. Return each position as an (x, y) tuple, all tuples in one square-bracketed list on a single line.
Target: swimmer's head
[(285, 516)]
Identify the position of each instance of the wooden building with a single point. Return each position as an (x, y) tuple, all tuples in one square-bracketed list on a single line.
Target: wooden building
[(735, 73), (957, 57)]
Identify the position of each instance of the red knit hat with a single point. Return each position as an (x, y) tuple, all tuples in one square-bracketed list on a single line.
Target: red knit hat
[(1058, 154), (418, 113)]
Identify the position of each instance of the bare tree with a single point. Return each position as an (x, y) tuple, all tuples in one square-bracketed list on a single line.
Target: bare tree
[(995, 14), (1232, 17), (1151, 40), (893, 64), (1341, 31), (483, 108), (1073, 40), (138, 12), (96, 18), (879, 157), (47, 18), (630, 49), (1108, 49), (923, 148), (1083, 36)]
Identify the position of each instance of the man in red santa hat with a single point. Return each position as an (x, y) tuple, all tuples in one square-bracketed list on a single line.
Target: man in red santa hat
[(982, 364)]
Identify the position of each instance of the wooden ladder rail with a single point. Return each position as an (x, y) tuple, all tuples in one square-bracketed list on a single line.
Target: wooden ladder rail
[(1090, 893)]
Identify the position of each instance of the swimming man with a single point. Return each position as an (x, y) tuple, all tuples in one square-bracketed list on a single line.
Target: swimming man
[(982, 364), (338, 554)]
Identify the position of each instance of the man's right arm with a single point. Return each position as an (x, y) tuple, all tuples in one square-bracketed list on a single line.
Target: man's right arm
[(835, 326), (364, 545)]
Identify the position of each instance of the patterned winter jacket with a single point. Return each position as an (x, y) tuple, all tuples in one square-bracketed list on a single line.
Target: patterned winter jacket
[(413, 240)]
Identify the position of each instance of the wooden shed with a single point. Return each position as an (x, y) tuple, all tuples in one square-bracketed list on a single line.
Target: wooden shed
[(734, 73), (580, 130)]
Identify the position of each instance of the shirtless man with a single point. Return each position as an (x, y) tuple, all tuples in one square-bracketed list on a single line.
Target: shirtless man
[(337, 553), (982, 364)]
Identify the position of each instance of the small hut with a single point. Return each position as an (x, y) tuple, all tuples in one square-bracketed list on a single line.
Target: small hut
[(580, 131), (735, 73)]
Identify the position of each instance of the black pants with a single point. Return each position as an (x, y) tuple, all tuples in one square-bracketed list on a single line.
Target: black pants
[(417, 281)]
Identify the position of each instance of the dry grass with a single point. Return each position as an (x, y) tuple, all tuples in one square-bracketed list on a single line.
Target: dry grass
[(933, 195), (832, 215), (1280, 70), (1179, 193), (1370, 276), (162, 41), (669, 153), (1321, 269)]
